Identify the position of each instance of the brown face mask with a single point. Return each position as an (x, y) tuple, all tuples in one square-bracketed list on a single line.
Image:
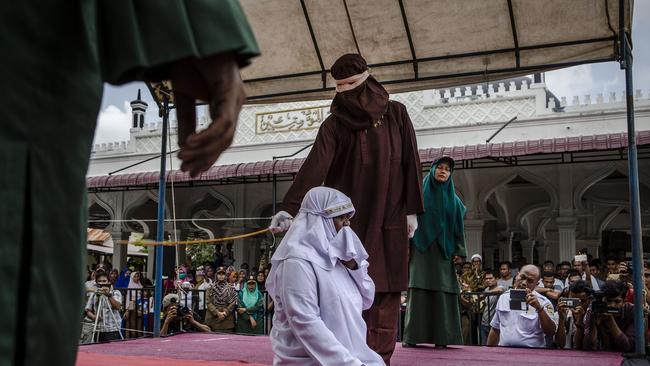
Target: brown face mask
[(361, 107)]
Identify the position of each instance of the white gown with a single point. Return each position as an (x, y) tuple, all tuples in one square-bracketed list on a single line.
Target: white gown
[(317, 317)]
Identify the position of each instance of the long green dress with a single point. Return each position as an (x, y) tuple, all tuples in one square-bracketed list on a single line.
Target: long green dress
[(433, 312), (56, 54), (253, 302)]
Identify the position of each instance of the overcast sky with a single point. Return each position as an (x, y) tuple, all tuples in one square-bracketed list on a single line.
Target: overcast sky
[(114, 119)]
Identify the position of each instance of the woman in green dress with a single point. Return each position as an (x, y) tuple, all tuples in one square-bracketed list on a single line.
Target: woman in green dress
[(250, 309), (433, 313)]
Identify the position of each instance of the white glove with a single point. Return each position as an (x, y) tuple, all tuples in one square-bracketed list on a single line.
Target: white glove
[(280, 222), (412, 223)]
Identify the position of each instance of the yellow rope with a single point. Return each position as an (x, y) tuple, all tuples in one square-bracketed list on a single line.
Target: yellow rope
[(195, 242)]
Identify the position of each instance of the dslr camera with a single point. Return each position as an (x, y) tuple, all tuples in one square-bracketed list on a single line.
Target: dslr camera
[(599, 305), (181, 311)]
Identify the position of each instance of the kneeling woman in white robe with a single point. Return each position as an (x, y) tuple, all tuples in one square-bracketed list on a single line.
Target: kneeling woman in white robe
[(319, 284)]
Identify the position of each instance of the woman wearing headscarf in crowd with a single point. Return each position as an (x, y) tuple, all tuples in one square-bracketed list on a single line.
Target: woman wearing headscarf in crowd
[(250, 309), (133, 295), (182, 276), (123, 280), (209, 273), (232, 280), (241, 278), (261, 279), (320, 285), (433, 314), (221, 300)]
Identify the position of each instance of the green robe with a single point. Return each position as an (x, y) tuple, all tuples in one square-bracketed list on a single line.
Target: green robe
[(56, 54), (433, 309), (256, 311)]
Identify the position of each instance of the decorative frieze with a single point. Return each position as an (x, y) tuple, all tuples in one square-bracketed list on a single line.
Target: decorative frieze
[(289, 120)]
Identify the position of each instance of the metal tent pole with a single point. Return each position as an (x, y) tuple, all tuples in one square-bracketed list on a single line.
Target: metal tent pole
[(161, 221), (633, 169)]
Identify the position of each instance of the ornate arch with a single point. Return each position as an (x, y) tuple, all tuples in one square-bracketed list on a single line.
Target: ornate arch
[(144, 197), (550, 189), (216, 195), (523, 215), (94, 199), (201, 227), (580, 189), (610, 216)]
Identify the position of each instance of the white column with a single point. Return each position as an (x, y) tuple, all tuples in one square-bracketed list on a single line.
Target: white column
[(566, 227), (474, 237)]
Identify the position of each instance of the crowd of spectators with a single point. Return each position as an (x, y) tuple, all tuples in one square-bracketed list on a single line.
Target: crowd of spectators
[(582, 304), (585, 304), (202, 298)]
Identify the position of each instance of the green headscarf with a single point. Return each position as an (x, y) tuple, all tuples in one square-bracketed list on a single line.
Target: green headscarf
[(442, 220), (250, 298)]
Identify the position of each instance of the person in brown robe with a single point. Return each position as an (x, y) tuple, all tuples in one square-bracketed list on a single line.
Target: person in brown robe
[(367, 149)]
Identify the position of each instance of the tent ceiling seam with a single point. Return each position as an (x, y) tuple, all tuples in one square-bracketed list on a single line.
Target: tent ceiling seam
[(513, 26), (410, 39), (354, 36), (313, 39)]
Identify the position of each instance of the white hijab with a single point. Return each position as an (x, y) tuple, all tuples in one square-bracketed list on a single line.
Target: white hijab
[(313, 237), (133, 285)]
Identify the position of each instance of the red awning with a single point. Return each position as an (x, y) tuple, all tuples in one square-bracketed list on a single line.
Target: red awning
[(467, 152)]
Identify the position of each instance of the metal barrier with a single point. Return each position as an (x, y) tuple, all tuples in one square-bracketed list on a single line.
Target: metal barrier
[(138, 303), (475, 308), (472, 308), (137, 311)]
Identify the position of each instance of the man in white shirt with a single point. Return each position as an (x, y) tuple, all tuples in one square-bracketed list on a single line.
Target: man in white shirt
[(526, 327)]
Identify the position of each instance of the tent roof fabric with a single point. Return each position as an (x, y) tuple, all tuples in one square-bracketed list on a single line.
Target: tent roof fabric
[(421, 44), (467, 152)]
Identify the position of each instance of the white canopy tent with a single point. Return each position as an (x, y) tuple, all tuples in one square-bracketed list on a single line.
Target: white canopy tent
[(423, 44)]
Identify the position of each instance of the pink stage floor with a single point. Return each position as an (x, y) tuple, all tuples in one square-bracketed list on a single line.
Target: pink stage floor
[(213, 349)]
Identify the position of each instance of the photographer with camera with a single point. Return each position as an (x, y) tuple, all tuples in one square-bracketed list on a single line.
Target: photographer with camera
[(609, 321), (105, 303), (523, 316), (179, 318), (571, 310)]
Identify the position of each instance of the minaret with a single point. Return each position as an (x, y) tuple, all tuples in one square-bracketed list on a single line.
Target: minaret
[(138, 109)]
